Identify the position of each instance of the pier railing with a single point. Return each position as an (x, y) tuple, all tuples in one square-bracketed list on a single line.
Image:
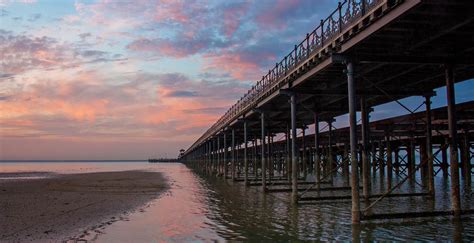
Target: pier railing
[(343, 16)]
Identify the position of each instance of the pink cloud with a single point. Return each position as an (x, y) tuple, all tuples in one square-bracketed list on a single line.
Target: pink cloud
[(239, 64), (175, 107), (43, 99), (274, 16), (164, 47), (21, 53), (171, 10), (232, 18)]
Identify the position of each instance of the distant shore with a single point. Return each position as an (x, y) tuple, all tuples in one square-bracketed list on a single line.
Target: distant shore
[(72, 206)]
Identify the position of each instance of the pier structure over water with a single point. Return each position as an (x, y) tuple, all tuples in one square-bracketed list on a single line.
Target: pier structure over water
[(366, 53)]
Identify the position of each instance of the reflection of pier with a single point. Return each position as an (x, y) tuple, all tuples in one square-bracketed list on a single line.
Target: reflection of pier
[(163, 160), (366, 53)]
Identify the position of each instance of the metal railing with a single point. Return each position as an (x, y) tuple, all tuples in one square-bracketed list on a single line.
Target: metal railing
[(345, 14)]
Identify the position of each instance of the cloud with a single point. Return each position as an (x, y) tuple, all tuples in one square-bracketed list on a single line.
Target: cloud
[(182, 93), (242, 62), (273, 16), (165, 47), (84, 36), (93, 53), (172, 10), (23, 53), (232, 17), (47, 98), (34, 17), (211, 110), (143, 105), (182, 47), (6, 2), (3, 12), (6, 75), (219, 32)]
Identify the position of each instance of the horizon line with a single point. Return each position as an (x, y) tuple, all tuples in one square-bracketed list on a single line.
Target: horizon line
[(76, 160)]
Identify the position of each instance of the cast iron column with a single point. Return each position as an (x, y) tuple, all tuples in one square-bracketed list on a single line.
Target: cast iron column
[(453, 149), (294, 167), (429, 147), (317, 159), (264, 182), (353, 138), (232, 163), (246, 172), (365, 148), (225, 156)]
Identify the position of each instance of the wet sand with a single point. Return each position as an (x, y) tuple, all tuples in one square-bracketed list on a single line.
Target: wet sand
[(72, 206)]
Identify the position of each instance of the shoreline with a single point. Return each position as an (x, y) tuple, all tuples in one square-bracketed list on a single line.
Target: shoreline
[(73, 206)]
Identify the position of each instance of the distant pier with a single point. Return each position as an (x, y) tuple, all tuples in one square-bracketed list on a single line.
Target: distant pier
[(163, 160)]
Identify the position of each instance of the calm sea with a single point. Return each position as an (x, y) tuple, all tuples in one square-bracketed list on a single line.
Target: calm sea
[(198, 208)]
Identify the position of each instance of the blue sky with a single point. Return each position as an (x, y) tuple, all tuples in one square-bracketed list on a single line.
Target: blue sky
[(126, 79)]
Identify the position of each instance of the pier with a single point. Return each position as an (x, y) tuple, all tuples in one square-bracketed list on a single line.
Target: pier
[(364, 54)]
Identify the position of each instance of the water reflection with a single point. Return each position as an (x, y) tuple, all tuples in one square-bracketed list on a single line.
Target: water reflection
[(199, 208), (204, 208)]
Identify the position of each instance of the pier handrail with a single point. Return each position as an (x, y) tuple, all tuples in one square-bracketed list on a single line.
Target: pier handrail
[(346, 13)]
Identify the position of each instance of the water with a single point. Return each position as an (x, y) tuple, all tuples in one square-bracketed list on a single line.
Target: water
[(198, 208)]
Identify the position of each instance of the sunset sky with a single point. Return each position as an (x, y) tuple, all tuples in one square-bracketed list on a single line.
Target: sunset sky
[(132, 79)]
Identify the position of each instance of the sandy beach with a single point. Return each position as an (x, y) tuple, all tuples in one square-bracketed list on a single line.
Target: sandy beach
[(72, 206)]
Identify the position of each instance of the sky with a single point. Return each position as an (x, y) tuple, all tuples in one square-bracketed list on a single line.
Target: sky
[(123, 79)]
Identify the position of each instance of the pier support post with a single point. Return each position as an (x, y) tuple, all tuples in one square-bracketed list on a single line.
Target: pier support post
[(330, 153), (345, 164), (388, 147), (255, 168), (353, 141), (423, 158), (218, 151), (381, 160), (202, 158), (209, 155), (396, 164), (232, 163), (453, 149), (216, 155), (238, 159), (465, 159), (288, 156), (294, 161), (246, 171), (213, 151), (304, 157), (225, 156), (269, 155), (429, 147), (264, 179), (444, 158), (411, 157), (317, 159), (365, 148), (373, 158)]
